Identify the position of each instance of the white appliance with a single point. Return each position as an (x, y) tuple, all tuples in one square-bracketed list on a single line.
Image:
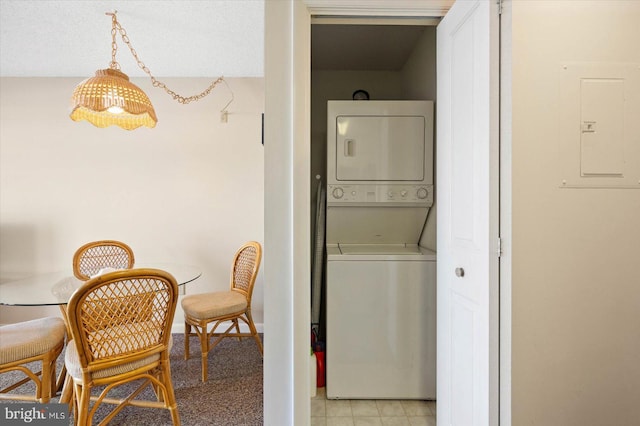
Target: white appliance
[(381, 285)]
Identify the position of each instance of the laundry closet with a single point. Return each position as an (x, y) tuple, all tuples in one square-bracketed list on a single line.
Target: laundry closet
[(374, 246)]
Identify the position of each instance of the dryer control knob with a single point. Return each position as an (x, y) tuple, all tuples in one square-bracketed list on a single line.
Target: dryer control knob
[(422, 193), (337, 193)]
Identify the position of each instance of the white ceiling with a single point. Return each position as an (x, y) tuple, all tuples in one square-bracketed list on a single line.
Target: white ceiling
[(189, 38), (177, 38)]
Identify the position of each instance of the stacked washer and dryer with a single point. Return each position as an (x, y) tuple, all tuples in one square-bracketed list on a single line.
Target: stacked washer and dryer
[(380, 283)]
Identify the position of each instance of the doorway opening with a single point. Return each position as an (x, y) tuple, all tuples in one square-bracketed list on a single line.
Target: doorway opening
[(388, 59)]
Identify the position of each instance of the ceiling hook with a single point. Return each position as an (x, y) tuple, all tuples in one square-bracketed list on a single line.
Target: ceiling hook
[(224, 114)]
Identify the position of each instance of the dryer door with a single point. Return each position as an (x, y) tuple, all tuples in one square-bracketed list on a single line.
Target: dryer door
[(380, 148)]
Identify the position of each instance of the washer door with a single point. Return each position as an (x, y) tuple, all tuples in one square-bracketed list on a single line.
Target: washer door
[(381, 331)]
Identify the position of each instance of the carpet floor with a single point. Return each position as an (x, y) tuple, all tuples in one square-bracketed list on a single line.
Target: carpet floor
[(232, 395)]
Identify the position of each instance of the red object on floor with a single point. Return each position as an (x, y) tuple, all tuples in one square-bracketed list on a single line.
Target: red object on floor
[(320, 369)]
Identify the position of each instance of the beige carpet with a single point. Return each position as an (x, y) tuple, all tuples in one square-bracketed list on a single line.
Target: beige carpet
[(231, 396)]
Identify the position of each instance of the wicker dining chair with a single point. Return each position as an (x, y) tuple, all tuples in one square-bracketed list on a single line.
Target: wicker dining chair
[(224, 306), (121, 329), (40, 340), (89, 259)]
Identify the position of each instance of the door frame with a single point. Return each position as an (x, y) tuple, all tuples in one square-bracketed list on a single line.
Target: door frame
[(287, 197)]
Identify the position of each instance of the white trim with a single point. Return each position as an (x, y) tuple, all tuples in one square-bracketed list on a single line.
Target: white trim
[(279, 313), (379, 8), (301, 204), (368, 20), (505, 214), (287, 259)]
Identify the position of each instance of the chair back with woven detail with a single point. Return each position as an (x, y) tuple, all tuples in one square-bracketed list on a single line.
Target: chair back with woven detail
[(246, 263), (120, 323), (89, 259)]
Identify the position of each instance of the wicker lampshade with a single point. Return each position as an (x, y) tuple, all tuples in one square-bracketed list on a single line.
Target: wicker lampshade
[(110, 98)]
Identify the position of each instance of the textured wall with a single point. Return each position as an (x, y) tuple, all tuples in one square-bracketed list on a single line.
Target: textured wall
[(188, 191), (576, 282)]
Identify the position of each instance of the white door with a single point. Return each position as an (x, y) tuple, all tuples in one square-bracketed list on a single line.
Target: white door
[(467, 187)]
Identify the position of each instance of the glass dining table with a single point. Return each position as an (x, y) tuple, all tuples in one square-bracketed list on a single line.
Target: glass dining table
[(56, 288)]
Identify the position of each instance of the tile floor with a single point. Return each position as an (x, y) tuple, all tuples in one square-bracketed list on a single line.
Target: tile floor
[(332, 412)]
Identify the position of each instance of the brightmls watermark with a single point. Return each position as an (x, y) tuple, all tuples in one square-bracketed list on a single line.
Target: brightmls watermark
[(34, 414)]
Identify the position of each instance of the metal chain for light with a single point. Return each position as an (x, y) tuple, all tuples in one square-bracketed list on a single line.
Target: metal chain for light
[(117, 28)]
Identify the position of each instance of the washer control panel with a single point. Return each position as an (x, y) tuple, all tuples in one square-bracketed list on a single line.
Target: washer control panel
[(387, 193)]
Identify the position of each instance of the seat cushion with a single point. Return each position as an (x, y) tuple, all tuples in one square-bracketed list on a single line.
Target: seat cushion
[(213, 305), (72, 362), (30, 338)]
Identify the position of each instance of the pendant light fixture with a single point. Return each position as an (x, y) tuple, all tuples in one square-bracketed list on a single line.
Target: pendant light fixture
[(110, 98)]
